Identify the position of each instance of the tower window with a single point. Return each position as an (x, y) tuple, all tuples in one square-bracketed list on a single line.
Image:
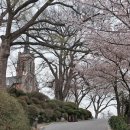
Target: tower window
[(30, 68), (23, 67)]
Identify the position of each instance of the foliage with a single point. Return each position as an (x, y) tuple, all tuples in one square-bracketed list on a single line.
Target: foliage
[(64, 109), (12, 116), (15, 92), (118, 123), (25, 99), (38, 95), (32, 113), (84, 114), (71, 105), (53, 104), (53, 110), (88, 115), (38, 105), (57, 115)]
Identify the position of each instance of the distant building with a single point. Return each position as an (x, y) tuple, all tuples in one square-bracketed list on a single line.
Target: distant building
[(25, 78)]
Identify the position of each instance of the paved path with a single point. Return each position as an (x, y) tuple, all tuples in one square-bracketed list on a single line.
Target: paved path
[(81, 125)]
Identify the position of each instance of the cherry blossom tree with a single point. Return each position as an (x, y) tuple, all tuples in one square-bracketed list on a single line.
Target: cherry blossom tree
[(79, 89), (110, 38), (101, 99), (112, 67)]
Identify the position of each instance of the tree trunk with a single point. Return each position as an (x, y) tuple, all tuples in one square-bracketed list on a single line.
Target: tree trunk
[(117, 99), (59, 95), (58, 91), (128, 115), (4, 54), (96, 115)]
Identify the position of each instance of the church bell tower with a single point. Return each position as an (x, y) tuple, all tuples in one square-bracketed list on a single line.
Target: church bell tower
[(26, 70)]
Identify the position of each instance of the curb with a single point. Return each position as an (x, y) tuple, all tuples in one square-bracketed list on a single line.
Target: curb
[(42, 126), (108, 128)]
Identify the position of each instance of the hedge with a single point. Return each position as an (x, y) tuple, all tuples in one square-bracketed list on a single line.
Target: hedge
[(38, 105), (12, 115), (118, 123)]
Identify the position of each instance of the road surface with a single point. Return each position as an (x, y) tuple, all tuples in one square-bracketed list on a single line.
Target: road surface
[(81, 125)]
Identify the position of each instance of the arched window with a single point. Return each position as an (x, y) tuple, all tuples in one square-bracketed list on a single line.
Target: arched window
[(23, 66)]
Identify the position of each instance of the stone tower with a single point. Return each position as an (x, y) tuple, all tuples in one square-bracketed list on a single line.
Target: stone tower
[(25, 72)]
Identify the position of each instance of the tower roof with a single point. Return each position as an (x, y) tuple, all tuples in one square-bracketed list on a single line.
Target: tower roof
[(26, 49), (26, 46)]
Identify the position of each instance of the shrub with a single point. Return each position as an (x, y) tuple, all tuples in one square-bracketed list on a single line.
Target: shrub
[(43, 105), (56, 115), (55, 104), (118, 123), (33, 113), (23, 103), (35, 100), (88, 114), (12, 115), (70, 108), (52, 104), (71, 105), (38, 95), (81, 113), (49, 114), (65, 115), (15, 92), (26, 99), (42, 117)]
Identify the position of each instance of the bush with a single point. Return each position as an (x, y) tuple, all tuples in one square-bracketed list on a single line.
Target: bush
[(88, 114), (47, 115), (12, 115), (42, 117), (38, 95), (118, 123), (35, 100), (38, 105), (70, 108), (56, 115), (71, 105), (52, 104), (43, 105), (16, 92), (25, 99), (81, 113), (34, 103), (33, 113)]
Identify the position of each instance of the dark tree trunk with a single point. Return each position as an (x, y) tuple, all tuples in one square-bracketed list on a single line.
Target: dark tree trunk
[(58, 91), (117, 99), (4, 54), (58, 95), (128, 114)]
